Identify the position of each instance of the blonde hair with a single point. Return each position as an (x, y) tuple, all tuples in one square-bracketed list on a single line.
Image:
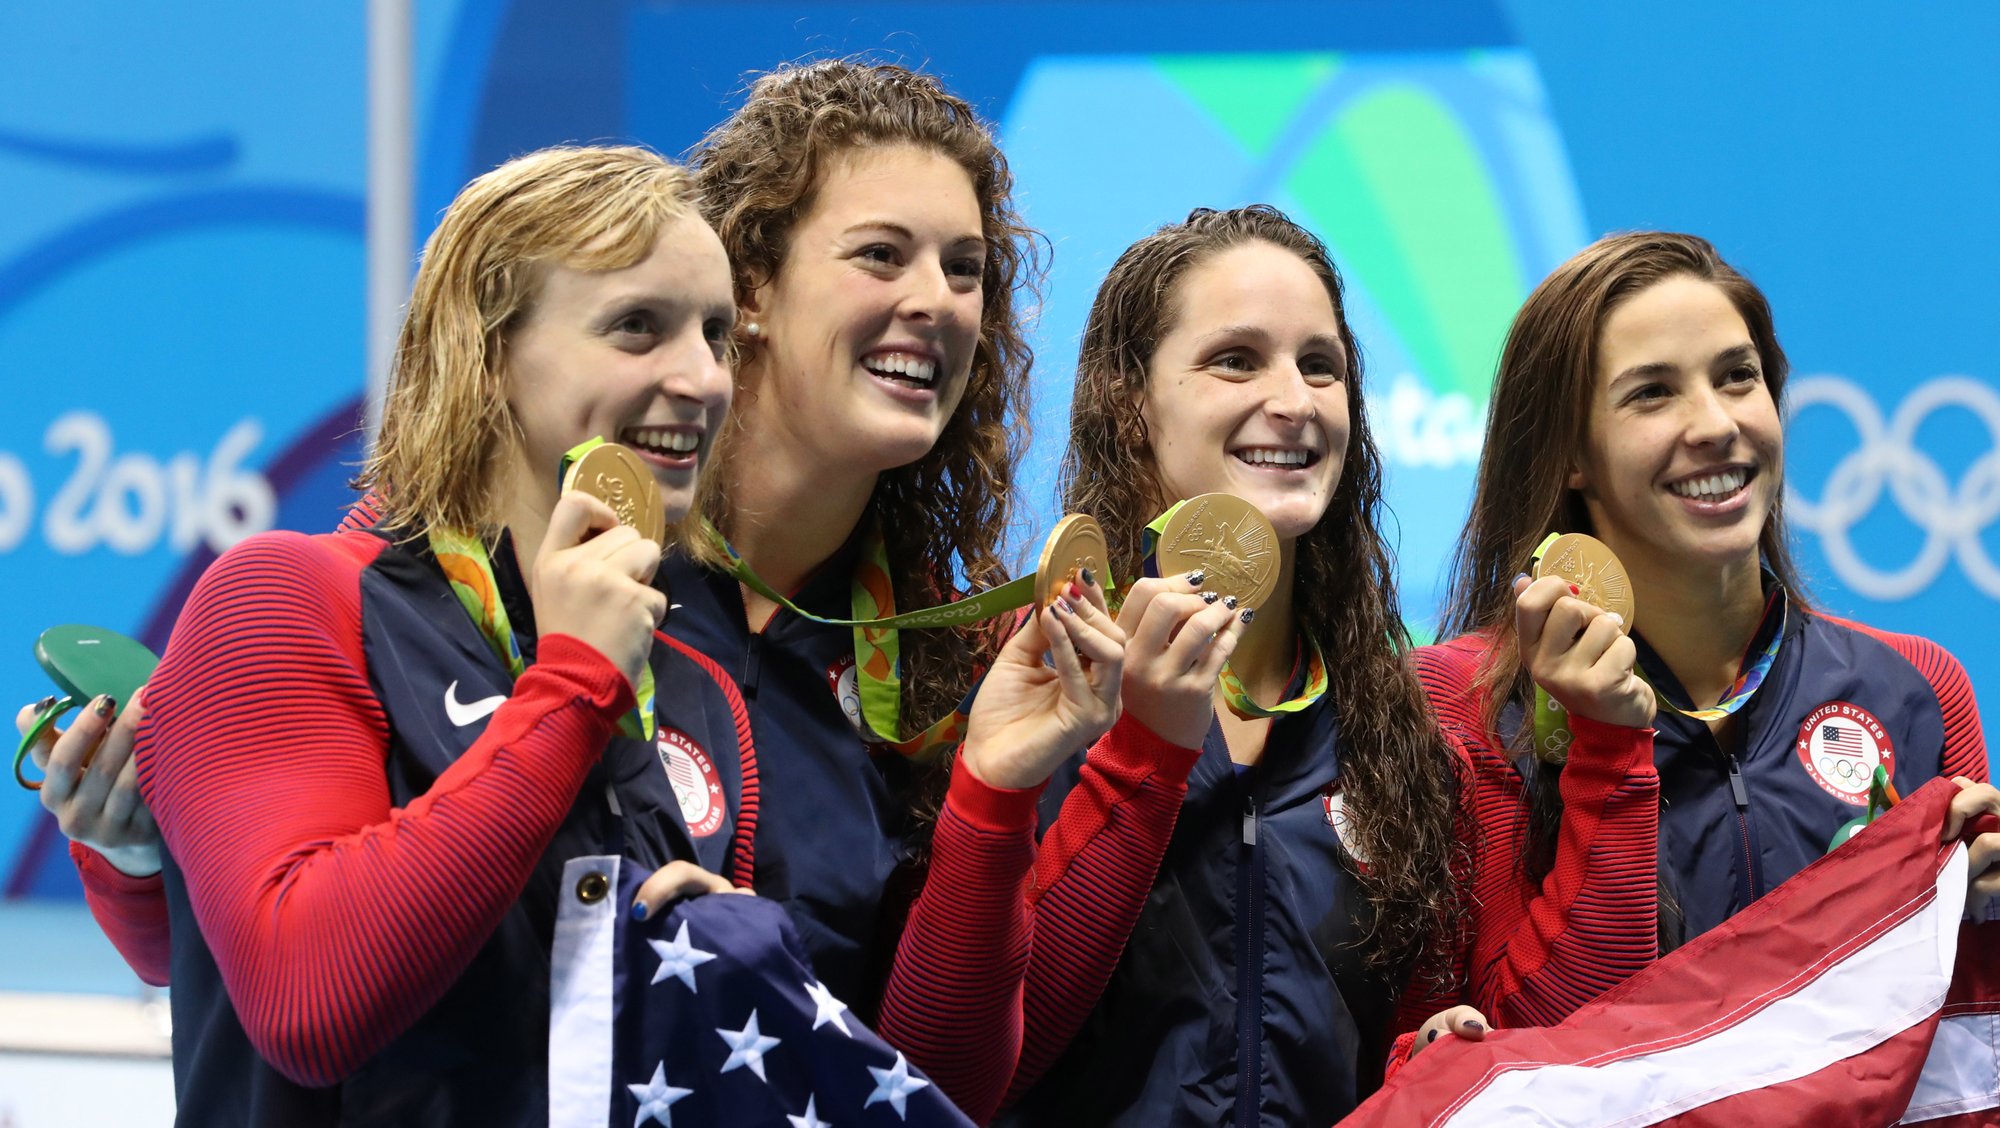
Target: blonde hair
[(447, 420)]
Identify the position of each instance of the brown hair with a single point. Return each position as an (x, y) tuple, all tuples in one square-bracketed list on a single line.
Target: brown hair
[(447, 421), (945, 514), (1537, 429), (1397, 769)]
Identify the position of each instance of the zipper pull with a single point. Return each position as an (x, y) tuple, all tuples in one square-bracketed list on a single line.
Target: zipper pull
[(1736, 788), (1249, 820)]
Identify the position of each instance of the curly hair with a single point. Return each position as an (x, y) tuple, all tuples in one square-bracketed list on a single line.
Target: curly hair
[(945, 515), (447, 421), (1537, 430), (1397, 767)]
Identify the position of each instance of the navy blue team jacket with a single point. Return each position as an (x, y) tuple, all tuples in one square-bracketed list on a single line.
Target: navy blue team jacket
[(1240, 998), (480, 1055)]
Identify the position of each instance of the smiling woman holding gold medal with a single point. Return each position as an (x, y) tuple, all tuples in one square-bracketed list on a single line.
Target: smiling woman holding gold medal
[(1721, 724), (1309, 903)]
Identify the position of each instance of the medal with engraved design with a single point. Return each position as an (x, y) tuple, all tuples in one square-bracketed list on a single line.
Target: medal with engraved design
[(615, 476), (1228, 540), (1591, 565), (1076, 543)]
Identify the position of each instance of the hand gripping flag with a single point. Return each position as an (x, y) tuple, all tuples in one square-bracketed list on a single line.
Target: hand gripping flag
[(1850, 995), (708, 1014)]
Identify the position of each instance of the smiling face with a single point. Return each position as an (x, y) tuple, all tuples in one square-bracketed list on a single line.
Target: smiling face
[(633, 355), (1686, 451), (1247, 391), (867, 331)]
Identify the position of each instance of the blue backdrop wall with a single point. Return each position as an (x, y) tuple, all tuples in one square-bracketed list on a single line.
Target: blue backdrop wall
[(181, 260)]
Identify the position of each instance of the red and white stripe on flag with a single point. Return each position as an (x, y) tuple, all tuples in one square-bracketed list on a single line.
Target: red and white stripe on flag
[(1849, 995)]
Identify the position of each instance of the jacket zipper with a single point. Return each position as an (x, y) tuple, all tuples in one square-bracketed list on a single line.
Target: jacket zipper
[(1249, 969)]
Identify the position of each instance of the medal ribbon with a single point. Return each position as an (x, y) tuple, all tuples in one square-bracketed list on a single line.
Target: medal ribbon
[(1233, 693), (1552, 734), (877, 648)]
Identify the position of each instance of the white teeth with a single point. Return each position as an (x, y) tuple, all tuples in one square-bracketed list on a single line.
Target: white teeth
[(1712, 485), (901, 364), (663, 440), (1263, 456)]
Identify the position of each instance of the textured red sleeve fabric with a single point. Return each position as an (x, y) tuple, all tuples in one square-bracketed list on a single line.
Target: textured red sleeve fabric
[(1096, 866), (1542, 949), (1964, 741), (953, 1000), (132, 911), (335, 918)]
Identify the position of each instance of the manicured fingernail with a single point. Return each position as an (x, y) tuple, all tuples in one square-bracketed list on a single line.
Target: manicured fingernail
[(1519, 578), (106, 706), (1475, 1026), (1089, 580), (1616, 618), (45, 704), (1575, 590), (1197, 577), (1433, 1037), (1064, 607), (1210, 596), (639, 910), (1229, 601), (1074, 591), (1249, 613)]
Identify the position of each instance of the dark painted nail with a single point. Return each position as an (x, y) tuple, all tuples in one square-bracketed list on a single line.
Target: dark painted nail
[(1249, 613), (1089, 580), (1475, 1025), (45, 704), (1209, 597), (106, 706), (1432, 1038), (639, 910), (1197, 577), (1229, 601)]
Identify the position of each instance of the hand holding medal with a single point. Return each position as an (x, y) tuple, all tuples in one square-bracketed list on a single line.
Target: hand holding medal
[(1054, 688), (1571, 620)]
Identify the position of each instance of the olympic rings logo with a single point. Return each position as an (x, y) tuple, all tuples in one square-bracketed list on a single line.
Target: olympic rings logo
[(1952, 518), (1849, 771)]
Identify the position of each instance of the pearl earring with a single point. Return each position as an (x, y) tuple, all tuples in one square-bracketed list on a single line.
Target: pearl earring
[(752, 330)]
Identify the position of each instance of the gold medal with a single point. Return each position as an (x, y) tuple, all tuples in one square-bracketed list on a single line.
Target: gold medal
[(1076, 543), (615, 476), (1228, 540), (1589, 564)]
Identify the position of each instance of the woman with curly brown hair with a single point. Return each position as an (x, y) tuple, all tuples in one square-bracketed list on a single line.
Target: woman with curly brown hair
[(1312, 900), (882, 380)]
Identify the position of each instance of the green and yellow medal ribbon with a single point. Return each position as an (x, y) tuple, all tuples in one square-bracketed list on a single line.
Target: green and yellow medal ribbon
[(1233, 691), (877, 647)]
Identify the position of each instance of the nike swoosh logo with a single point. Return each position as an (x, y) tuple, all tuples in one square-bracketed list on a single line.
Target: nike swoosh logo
[(462, 714)]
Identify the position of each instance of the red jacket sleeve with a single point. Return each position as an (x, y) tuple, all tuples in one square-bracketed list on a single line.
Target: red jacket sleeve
[(1541, 949), (335, 918), (132, 911), (1010, 945)]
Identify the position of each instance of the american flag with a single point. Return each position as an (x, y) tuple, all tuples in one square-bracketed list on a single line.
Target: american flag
[(705, 1015), (1850, 995), (1839, 737)]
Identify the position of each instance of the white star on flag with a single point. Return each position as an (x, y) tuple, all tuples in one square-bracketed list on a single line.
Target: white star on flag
[(828, 1009), (747, 1047), (810, 1119), (655, 1098), (679, 958), (895, 1086)]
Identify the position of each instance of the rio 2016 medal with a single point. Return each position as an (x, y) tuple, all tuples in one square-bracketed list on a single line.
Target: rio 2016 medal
[(1589, 564), (1076, 543), (615, 476), (1228, 540)]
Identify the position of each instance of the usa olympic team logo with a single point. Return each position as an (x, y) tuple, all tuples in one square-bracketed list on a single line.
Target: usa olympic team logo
[(1334, 803), (1841, 744), (697, 786), (1889, 461), (840, 678)]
